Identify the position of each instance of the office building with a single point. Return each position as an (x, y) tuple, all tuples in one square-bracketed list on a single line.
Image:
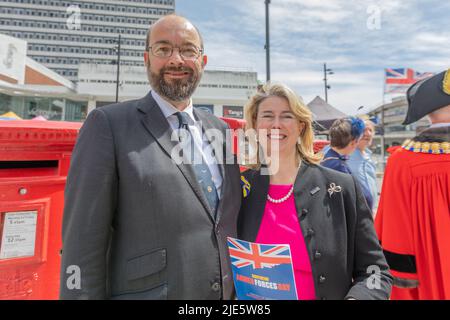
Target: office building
[(63, 34), (29, 89)]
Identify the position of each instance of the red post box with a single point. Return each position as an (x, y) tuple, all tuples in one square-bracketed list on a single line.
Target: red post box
[(320, 144), (34, 162), (235, 125)]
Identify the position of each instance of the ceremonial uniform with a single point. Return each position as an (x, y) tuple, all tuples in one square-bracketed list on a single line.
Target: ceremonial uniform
[(413, 218)]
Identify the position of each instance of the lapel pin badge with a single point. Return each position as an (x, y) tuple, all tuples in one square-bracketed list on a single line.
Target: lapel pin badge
[(334, 189), (245, 187), (314, 191)]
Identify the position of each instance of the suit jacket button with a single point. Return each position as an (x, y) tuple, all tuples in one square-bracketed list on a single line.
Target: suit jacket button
[(215, 286), (317, 254), (322, 279)]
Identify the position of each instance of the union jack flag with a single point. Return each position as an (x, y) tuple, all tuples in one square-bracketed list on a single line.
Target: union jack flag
[(399, 80), (257, 255)]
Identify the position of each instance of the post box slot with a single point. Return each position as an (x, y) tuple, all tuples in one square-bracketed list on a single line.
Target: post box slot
[(28, 164)]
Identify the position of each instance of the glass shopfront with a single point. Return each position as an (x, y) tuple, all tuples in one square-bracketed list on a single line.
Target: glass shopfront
[(236, 112), (51, 108)]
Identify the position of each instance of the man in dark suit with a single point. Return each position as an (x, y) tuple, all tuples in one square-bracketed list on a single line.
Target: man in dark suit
[(138, 224)]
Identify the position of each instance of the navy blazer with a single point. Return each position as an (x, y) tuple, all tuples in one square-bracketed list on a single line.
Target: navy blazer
[(346, 258)]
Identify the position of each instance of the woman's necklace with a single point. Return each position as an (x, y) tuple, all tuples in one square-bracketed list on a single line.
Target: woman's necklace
[(283, 199)]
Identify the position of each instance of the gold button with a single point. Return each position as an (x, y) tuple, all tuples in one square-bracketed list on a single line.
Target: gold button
[(209, 189)]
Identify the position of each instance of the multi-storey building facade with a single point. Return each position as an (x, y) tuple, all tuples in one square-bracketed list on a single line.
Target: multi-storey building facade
[(221, 92), (63, 34), (29, 89), (394, 114), (45, 93)]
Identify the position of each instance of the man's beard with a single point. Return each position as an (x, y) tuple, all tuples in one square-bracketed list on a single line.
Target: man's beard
[(177, 89)]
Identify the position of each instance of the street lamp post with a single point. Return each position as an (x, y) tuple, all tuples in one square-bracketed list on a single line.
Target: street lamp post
[(267, 46), (383, 140), (326, 72)]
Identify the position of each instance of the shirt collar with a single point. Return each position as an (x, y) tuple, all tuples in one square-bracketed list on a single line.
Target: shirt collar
[(168, 109), (367, 153), (333, 153), (439, 125)]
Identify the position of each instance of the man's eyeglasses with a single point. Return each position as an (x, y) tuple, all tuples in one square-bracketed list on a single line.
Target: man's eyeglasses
[(164, 50)]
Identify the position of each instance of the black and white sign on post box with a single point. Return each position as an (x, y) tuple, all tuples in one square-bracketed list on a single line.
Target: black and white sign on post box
[(18, 235)]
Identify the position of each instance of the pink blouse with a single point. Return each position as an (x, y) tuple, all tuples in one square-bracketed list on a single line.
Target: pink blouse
[(280, 225)]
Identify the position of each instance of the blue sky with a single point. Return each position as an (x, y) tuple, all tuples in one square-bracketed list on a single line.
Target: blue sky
[(356, 38)]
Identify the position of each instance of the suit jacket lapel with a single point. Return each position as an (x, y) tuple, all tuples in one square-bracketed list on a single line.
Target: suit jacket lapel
[(258, 202), (302, 192), (155, 122)]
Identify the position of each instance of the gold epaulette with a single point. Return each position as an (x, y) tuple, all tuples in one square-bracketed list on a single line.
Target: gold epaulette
[(427, 147)]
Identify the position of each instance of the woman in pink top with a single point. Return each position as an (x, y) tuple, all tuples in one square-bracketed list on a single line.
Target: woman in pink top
[(280, 225), (319, 212)]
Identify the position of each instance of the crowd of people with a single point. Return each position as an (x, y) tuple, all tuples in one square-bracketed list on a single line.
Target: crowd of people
[(139, 225)]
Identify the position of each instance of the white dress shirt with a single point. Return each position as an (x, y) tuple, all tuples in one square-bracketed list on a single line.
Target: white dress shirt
[(201, 141)]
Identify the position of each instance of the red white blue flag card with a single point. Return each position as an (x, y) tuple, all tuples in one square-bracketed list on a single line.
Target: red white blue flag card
[(262, 271)]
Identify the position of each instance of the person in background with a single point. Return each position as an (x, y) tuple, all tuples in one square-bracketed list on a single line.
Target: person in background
[(413, 217), (345, 135), (361, 164), (320, 213)]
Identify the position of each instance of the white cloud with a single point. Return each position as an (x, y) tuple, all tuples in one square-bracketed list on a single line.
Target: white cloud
[(307, 33), (348, 90), (438, 42)]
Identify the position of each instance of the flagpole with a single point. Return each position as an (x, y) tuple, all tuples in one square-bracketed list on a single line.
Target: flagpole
[(382, 121)]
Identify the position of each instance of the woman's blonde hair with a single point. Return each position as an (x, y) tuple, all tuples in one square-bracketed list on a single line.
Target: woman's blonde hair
[(305, 148)]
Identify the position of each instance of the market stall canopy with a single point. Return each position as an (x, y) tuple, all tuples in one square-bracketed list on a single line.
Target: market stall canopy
[(10, 116), (324, 113)]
